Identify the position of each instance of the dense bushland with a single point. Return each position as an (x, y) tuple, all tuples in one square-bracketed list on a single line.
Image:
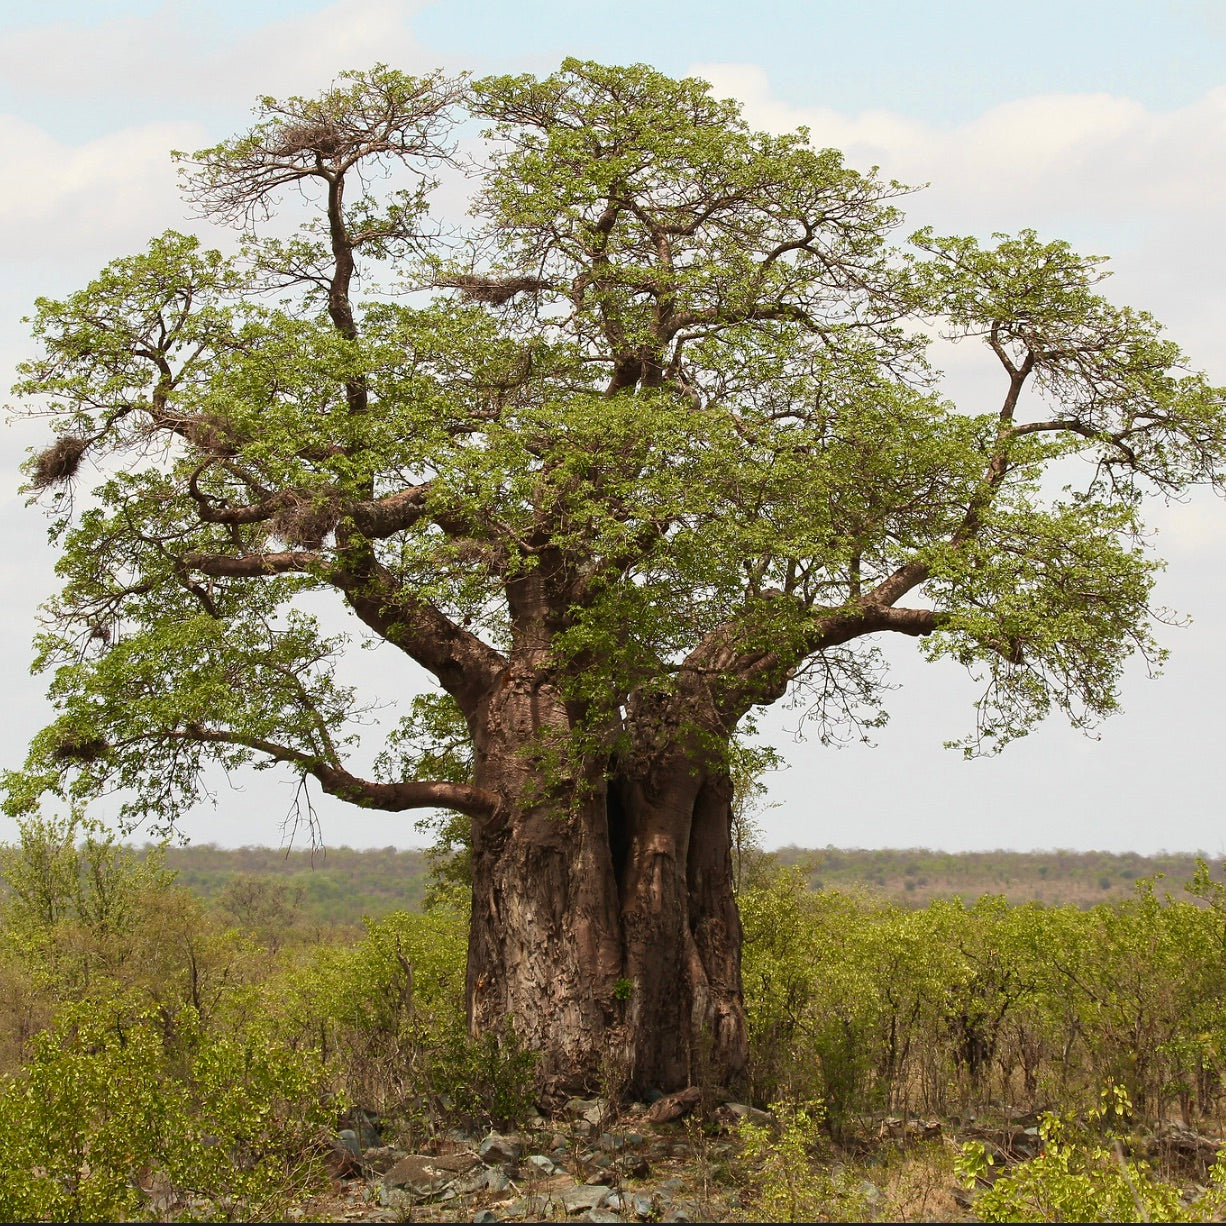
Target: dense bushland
[(954, 1009), (151, 1040), (336, 887)]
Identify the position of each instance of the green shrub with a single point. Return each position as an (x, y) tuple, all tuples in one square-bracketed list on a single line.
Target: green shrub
[(1084, 1175), (116, 1089), (787, 1183)]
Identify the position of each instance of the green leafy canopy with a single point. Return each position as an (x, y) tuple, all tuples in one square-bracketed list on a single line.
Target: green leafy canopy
[(659, 416)]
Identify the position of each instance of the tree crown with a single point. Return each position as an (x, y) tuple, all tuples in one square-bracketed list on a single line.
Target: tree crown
[(657, 430)]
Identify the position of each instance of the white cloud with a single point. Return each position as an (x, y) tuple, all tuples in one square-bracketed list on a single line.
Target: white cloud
[(105, 195), (1111, 176), (179, 54)]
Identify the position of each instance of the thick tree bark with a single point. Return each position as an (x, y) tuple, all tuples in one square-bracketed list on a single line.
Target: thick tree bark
[(604, 926)]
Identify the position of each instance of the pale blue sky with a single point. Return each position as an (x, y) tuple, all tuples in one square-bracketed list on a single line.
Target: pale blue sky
[(937, 60), (1101, 122)]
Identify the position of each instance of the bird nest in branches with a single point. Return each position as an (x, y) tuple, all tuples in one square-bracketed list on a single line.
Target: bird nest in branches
[(310, 136), (80, 749), (210, 433), (494, 290), (58, 464), (305, 522)]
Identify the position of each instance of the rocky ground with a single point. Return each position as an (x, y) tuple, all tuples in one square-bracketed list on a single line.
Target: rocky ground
[(655, 1163)]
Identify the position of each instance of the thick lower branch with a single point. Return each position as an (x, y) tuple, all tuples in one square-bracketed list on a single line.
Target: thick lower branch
[(466, 667), (411, 794), (338, 782), (253, 565)]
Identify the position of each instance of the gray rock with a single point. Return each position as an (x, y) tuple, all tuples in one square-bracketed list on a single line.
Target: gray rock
[(584, 1196), (744, 1112), (394, 1198), (426, 1174), (538, 1208), (345, 1159), (635, 1166), (364, 1125), (499, 1148), (600, 1215), (382, 1158), (611, 1143), (588, 1110), (485, 1215), (674, 1106), (541, 1164), (615, 1202), (642, 1206), (476, 1182), (496, 1180)]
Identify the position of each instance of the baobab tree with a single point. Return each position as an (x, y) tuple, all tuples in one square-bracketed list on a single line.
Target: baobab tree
[(651, 444)]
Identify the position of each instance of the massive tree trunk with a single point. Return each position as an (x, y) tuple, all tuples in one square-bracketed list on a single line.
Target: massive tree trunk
[(604, 926)]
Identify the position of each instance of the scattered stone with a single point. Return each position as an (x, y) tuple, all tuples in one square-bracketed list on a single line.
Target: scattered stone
[(962, 1198), (395, 1199), (498, 1148), (382, 1158), (538, 1208), (635, 1166), (363, 1124), (584, 1196), (427, 1174), (485, 1215), (674, 1106), (642, 1206), (578, 1108), (476, 1182), (496, 1180), (541, 1164), (600, 1215), (742, 1111), (344, 1159), (598, 1166)]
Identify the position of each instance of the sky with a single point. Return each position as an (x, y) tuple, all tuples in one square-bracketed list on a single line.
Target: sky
[(1100, 123)]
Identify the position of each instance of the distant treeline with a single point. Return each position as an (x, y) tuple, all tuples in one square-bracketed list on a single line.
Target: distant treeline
[(338, 886), (342, 885), (913, 877)]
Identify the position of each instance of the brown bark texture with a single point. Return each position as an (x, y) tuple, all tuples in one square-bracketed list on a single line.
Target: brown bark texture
[(604, 926)]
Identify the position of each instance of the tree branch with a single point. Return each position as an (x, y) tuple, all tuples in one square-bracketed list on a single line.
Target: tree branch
[(254, 565), (336, 781)]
